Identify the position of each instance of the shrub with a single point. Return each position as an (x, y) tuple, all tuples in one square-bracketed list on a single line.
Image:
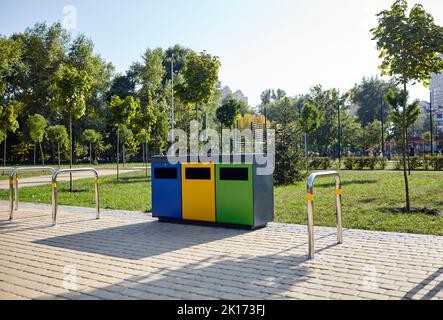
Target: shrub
[(319, 163), (362, 163)]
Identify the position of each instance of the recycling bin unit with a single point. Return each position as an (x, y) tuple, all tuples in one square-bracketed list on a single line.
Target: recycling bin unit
[(166, 189), (243, 197), (198, 192), (231, 193)]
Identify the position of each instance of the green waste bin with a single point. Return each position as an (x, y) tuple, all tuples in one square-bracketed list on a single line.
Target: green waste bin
[(234, 195), (243, 197)]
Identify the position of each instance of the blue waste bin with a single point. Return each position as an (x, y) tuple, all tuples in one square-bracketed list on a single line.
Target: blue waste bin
[(166, 189)]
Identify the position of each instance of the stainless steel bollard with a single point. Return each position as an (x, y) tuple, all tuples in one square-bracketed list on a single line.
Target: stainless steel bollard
[(310, 199)]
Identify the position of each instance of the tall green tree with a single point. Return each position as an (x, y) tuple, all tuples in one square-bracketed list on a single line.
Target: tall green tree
[(368, 96), (58, 135), (36, 126), (122, 112), (71, 89), (200, 76), (44, 50), (409, 45), (288, 154)]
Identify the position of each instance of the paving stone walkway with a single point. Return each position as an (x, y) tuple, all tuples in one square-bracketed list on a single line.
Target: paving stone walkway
[(131, 256)]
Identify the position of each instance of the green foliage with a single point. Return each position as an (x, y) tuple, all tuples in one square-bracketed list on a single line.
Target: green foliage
[(8, 117), (71, 89), (409, 43), (10, 59), (36, 126), (200, 78), (91, 136), (422, 163), (319, 163), (310, 118), (227, 113), (368, 97), (362, 163), (289, 161), (401, 119), (124, 110)]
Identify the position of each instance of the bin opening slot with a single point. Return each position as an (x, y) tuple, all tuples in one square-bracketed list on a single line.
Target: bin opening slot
[(165, 173), (198, 174), (234, 174)]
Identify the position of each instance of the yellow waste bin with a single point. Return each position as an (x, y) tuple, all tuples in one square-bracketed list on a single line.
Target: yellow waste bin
[(198, 192)]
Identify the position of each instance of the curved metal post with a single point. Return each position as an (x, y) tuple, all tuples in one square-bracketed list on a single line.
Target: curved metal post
[(54, 191), (310, 198), (14, 181)]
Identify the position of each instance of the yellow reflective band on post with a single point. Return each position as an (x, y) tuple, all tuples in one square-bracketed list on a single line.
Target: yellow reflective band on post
[(310, 197), (54, 185), (12, 182), (97, 181), (338, 192)]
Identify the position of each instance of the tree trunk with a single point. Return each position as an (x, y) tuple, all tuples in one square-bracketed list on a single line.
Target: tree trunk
[(4, 151), (70, 152), (35, 154), (90, 152), (124, 155), (41, 151), (404, 133), (147, 158), (118, 152)]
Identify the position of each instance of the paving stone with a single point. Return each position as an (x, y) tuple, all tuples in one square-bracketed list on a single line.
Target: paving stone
[(127, 255)]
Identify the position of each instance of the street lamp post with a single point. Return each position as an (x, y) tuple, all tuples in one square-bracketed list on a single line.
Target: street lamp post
[(431, 95), (382, 126), (339, 131), (172, 99)]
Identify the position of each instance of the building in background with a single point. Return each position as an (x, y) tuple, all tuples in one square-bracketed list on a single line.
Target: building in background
[(237, 95), (437, 101)]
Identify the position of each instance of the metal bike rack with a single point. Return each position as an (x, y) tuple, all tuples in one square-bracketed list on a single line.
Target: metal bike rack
[(54, 191), (14, 181), (310, 198)]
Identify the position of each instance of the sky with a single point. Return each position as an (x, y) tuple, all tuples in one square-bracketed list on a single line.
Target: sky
[(287, 44)]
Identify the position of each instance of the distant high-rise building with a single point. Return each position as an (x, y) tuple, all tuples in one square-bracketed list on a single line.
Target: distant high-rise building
[(237, 95), (437, 100)]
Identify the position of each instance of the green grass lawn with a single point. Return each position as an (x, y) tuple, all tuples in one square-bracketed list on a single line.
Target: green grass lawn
[(367, 198)]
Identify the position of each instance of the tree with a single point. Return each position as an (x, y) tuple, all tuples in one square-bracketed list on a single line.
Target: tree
[(43, 52), (8, 122), (409, 45), (36, 126), (266, 96), (10, 58), (227, 113), (403, 117), (58, 135), (122, 112), (368, 97), (91, 137), (288, 155), (200, 79), (71, 89), (309, 120)]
